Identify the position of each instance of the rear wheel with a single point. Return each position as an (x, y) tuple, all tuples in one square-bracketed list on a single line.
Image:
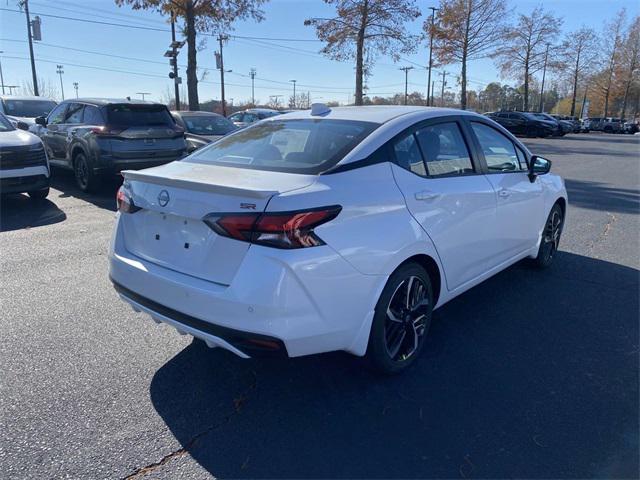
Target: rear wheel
[(550, 238), (401, 321), (39, 194), (85, 178)]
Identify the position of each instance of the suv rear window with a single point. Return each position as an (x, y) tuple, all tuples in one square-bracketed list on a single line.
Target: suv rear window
[(295, 146), (125, 115)]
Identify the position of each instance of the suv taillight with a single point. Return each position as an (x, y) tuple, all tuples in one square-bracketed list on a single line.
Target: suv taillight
[(278, 229), (125, 202)]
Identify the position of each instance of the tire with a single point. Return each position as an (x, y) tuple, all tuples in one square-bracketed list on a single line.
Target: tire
[(39, 194), (608, 130), (85, 178), (397, 333), (550, 238)]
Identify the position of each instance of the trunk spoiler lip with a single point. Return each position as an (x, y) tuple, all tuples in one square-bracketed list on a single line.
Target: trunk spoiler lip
[(260, 193)]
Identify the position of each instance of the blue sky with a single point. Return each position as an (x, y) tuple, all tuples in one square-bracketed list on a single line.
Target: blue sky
[(276, 62)]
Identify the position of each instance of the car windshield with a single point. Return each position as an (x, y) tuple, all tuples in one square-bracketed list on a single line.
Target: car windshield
[(5, 124), (542, 116), (262, 115), (28, 108), (208, 124), (295, 146), (126, 115)]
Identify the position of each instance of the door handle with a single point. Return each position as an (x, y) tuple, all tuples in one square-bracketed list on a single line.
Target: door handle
[(426, 195), (504, 193)]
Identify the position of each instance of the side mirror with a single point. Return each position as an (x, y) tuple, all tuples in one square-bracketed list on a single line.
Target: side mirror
[(22, 125), (538, 166), (41, 121)]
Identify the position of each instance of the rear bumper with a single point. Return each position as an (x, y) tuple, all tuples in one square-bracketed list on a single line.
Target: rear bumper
[(285, 302), (109, 165)]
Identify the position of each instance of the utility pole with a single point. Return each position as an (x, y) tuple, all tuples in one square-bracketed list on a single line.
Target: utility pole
[(75, 86), (433, 20), (433, 89), (544, 71), (444, 82), (221, 39), (174, 59), (1, 77), (252, 74), (60, 71), (294, 93), (406, 82), (25, 4), (143, 94)]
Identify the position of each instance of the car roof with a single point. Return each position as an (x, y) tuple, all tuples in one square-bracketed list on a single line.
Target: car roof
[(109, 101), (25, 97), (372, 113)]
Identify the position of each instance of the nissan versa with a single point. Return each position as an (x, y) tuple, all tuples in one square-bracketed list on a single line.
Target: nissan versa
[(332, 229)]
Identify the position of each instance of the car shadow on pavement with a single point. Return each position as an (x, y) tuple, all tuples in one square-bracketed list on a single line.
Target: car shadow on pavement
[(530, 374), (103, 197), (600, 196), (19, 211)]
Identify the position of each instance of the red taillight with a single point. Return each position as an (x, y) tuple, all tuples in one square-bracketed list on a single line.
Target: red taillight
[(125, 203), (106, 131), (279, 230)]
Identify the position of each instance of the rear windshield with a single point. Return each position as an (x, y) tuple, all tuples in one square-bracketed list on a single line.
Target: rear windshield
[(125, 115), (295, 146), (28, 108), (208, 124)]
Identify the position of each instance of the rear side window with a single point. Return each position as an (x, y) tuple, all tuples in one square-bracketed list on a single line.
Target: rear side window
[(92, 116), (295, 146), (408, 154), (128, 115), (444, 149), (499, 151)]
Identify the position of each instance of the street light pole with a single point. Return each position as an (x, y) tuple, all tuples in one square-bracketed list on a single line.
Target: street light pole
[(143, 94), (252, 73), (176, 86), (406, 82), (60, 71), (222, 38), (75, 86), (433, 20)]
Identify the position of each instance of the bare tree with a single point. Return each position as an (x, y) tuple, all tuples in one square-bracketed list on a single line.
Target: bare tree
[(630, 59), (578, 54), (610, 57), (467, 30), (201, 16), (46, 89), (524, 46), (366, 28)]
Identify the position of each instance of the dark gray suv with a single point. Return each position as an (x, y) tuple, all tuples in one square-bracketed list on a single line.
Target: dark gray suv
[(95, 137)]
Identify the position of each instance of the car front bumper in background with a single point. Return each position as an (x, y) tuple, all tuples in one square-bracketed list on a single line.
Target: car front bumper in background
[(22, 180)]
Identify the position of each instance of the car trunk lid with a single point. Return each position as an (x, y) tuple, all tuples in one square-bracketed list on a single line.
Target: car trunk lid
[(169, 229)]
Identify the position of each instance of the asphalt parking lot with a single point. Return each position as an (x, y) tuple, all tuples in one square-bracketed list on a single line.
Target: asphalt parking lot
[(531, 374)]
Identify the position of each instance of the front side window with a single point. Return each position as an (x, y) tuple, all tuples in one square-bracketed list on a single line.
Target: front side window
[(499, 151), (294, 146), (74, 113), (444, 149), (57, 115)]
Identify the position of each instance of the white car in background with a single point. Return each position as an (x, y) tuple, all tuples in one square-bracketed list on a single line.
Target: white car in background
[(24, 166), (22, 111), (332, 229)]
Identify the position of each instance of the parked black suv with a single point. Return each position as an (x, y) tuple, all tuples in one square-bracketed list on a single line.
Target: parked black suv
[(524, 123), (104, 136)]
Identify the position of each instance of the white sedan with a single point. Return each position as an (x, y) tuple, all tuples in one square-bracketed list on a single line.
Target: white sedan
[(332, 229)]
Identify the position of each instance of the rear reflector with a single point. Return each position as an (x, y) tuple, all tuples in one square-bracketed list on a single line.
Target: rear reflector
[(280, 229)]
